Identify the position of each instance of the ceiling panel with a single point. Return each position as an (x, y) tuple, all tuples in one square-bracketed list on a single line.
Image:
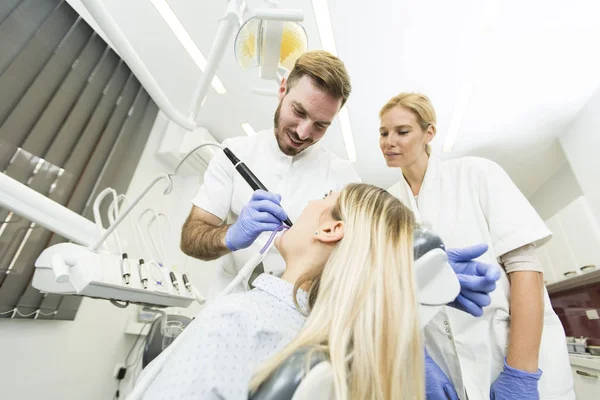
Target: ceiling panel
[(532, 66)]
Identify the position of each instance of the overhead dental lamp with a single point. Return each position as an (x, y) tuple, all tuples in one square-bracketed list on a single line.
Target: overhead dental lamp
[(272, 39)]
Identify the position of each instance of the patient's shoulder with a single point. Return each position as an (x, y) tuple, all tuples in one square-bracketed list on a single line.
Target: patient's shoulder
[(237, 309)]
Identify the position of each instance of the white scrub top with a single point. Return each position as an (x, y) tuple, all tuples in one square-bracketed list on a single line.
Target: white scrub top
[(298, 179), (469, 201)]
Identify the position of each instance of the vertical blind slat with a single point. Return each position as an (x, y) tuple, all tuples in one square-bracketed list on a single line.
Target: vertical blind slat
[(12, 285), (31, 105), (30, 300), (6, 8), (117, 152), (19, 24), (15, 283), (73, 120), (27, 65), (38, 139)]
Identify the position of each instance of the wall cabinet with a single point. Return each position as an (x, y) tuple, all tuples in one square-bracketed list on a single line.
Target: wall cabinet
[(544, 259), (586, 377), (575, 243)]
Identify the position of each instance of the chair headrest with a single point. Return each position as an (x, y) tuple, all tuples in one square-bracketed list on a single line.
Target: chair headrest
[(425, 240), (437, 284), (290, 374)]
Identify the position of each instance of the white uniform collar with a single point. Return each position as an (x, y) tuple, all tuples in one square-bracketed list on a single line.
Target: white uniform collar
[(433, 165), (432, 172)]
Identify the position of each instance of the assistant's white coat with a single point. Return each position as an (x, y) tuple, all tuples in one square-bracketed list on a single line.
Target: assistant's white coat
[(469, 201)]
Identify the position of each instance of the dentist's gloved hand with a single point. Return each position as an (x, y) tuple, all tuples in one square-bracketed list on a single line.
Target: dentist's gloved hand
[(515, 384), (263, 213), (477, 279), (437, 384)]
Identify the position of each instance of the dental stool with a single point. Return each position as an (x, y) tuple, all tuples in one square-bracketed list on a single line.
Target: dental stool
[(308, 375)]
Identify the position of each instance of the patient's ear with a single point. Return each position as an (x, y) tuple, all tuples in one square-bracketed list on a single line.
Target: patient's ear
[(330, 232)]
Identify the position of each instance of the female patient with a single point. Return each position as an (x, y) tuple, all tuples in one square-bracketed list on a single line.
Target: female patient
[(349, 261)]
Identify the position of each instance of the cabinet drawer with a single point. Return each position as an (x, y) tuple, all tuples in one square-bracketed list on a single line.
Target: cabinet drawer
[(586, 382)]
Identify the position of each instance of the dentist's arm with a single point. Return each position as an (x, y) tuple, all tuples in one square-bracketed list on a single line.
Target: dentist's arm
[(205, 238), (203, 235)]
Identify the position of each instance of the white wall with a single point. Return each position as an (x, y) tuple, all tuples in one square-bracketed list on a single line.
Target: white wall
[(64, 359), (73, 360), (556, 192), (581, 144)]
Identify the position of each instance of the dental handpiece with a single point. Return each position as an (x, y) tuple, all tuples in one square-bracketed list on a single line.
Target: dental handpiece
[(248, 176)]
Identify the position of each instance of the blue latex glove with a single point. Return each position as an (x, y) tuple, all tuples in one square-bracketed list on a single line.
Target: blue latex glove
[(477, 279), (263, 213), (437, 384), (515, 384)]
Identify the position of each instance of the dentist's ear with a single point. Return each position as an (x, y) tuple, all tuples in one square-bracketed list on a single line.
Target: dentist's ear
[(282, 88), (330, 232)]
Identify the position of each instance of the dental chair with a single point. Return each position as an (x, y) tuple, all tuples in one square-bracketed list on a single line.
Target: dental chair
[(308, 375)]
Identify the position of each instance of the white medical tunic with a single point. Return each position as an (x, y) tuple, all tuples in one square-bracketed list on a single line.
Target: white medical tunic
[(469, 201), (228, 340), (298, 179)]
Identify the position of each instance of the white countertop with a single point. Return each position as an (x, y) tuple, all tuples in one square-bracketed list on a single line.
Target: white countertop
[(585, 360)]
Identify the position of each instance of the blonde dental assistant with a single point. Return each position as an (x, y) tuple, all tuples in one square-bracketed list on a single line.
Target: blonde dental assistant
[(516, 350)]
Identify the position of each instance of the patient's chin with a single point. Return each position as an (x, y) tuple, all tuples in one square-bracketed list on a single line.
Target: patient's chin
[(277, 242)]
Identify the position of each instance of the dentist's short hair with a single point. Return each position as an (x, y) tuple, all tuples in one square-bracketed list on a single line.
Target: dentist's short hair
[(327, 72)]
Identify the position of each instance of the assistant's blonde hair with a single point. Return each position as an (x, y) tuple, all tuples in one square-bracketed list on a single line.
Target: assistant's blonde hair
[(418, 104), (327, 72), (363, 303)]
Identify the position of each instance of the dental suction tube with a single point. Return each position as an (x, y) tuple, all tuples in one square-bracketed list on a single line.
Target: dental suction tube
[(248, 176)]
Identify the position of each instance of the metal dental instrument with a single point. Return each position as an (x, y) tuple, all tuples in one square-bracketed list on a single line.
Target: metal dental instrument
[(241, 168), (248, 176)]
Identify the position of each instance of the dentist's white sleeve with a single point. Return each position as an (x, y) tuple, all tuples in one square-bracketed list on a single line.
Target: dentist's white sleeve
[(216, 192)]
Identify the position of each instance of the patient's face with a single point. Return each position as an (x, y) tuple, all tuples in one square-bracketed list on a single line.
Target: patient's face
[(301, 236)]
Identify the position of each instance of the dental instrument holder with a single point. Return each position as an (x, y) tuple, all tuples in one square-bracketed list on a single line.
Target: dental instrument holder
[(248, 176), (69, 268)]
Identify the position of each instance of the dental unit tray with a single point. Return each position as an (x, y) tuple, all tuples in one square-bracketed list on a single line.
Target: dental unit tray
[(82, 268), (68, 268)]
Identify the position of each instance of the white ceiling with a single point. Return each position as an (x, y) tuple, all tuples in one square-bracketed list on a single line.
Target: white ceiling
[(531, 67)]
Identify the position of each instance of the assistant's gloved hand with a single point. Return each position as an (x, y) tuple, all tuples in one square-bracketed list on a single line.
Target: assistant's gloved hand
[(263, 213), (515, 384), (477, 279), (437, 384)]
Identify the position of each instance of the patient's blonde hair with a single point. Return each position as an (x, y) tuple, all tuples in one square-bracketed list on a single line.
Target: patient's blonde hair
[(363, 303), (419, 105)]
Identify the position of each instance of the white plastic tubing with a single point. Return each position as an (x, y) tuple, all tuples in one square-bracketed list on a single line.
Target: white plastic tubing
[(228, 24), (36, 207)]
